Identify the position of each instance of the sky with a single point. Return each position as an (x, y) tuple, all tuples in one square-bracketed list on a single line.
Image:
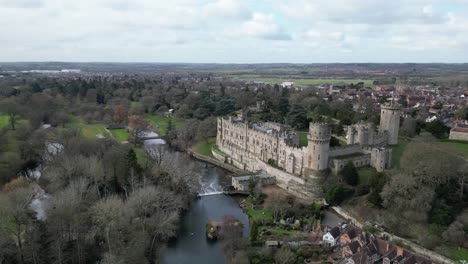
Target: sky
[(234, 31)]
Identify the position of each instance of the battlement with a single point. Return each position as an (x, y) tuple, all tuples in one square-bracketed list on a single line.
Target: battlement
[(319, 131), (391, 106)]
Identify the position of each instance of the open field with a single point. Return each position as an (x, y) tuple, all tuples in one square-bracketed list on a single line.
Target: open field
[(453, 253), (3, 120), (259, 214), (397, 152), (364, 174), (460, 147), (119, 134), (204, 147), (367, 83), (141, 156), (161, 123), (88, 130)]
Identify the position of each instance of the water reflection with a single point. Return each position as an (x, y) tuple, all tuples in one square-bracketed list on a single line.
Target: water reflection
[(191, 246)]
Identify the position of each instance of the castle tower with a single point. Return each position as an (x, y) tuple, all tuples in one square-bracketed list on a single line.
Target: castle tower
[(390, 122), (362, 135), (350, 133), (319, 146)]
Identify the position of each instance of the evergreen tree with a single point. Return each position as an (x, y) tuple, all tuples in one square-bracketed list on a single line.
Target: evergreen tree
[(350, 174)]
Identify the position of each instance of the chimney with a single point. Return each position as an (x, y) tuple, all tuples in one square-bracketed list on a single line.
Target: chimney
[(399, 251)]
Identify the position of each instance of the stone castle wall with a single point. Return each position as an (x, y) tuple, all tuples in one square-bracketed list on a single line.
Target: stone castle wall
[(344, 150), (336, 165), (456, 135)]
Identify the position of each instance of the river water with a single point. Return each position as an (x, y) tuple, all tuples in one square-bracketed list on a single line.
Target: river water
[(191, 245)]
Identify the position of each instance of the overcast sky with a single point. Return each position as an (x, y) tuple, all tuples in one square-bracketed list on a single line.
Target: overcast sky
[(234, 31)]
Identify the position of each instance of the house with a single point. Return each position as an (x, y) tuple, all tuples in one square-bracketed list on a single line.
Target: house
[(331, 237), (287, 84), (271, 243), (459, 132), (351, 248), (350, 235)]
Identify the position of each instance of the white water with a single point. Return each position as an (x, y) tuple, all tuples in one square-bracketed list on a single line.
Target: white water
[(40, 203), (209, 185), (210, 193)]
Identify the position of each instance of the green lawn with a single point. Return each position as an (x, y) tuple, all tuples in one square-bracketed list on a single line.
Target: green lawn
[(397, 152), (161, 122), (364, 174), (303, 141), (259, 214), (3, 120), (454, 253), (457, 145), (141, 156), (278, 231), (88, 130), (204, 147), (120, 134)]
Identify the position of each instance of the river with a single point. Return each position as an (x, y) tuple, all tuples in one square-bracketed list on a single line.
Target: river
[(191, 245)]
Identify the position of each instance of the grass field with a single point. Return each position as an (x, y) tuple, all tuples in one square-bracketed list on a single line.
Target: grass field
[(3, 120), (88, 130), (204, 147), (364, 174), (397, 152), (367, 83), (259, 214), (458, 146), (141, 156), (278, 231), (161, 122), (453, 253), (303, 142), (119, 134), (458, 254)]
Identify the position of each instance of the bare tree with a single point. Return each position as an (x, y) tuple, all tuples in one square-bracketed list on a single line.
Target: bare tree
[(15, 209), (284, 256), (137, 126)]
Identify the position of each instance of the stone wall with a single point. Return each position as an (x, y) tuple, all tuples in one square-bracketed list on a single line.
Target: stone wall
[(216, 163), (344, 150), (359, 161), (309, 187), (456, 135)]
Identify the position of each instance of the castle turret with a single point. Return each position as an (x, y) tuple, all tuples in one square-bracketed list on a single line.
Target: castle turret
[(390, 122), (319, 146)]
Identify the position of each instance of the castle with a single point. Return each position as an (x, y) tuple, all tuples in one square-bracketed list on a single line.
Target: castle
[(274, 148)]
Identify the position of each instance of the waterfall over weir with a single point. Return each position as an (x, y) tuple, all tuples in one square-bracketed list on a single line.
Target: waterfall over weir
[(209, 185)]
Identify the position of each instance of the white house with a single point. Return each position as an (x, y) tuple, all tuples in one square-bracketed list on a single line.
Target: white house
[(287, 84), (331, 237)]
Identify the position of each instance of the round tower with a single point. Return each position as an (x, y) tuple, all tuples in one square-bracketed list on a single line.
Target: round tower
[(319, 146), (390, 122)]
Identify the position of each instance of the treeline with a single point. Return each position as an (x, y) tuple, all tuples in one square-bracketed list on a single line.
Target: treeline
[(104, 204)]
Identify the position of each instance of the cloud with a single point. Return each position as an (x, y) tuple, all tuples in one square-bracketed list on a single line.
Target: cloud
[(234, 30), (21, 3), (364, 11), (264, 26), (227, 9)]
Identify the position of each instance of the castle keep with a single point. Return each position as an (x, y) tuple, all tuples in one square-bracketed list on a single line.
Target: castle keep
[(274, 148)]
